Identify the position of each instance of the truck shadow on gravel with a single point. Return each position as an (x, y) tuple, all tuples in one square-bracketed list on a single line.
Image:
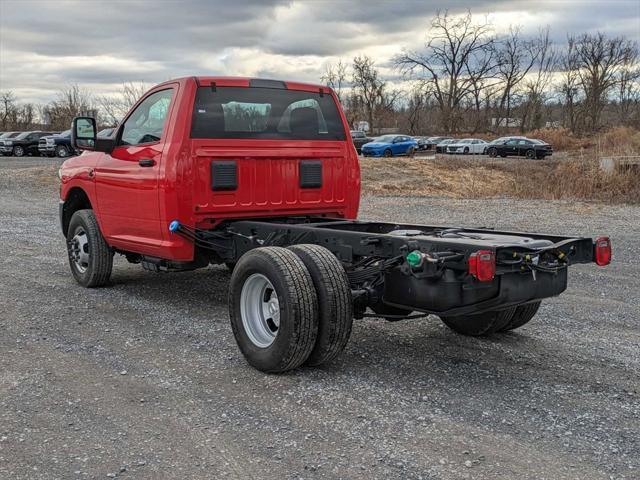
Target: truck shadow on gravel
[(406, 346)]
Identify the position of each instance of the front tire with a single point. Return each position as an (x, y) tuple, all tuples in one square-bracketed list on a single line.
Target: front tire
[(273, 308), (62, 151), (18, 151), (388, 153), (335, 314), (466, 150), (480, 324), (90, 258)]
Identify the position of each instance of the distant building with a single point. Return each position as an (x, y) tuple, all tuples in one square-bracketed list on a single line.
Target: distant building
[(361, 126)]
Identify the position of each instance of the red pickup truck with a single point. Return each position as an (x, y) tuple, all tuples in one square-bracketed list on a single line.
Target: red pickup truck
[(261, 175)]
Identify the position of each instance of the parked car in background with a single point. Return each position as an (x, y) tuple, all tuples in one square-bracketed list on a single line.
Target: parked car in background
[(359, 138), (441, 147), (26, 143), (432, 142), (499, 141), (466, 146), (58, 145), (521, 147), (7, 136), (390, 145), (423, 143)]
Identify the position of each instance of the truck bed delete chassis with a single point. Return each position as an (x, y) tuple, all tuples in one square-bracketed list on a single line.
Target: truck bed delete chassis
[(414, 267)]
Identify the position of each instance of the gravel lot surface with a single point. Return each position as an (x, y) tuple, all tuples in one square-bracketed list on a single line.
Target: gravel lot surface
[(143, 379)]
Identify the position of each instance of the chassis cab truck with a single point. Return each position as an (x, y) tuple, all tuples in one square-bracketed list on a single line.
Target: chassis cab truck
[(262, 175)]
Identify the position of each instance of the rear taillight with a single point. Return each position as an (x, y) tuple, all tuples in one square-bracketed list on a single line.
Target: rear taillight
[(482, 265), (602, 251)]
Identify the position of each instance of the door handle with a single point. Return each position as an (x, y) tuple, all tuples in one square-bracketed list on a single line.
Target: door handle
[(146, 162)]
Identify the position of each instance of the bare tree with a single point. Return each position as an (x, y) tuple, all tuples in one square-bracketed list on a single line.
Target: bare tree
[(447, 64), (114, 107), (369, 88), (601, 63), (71, 101), (569, 86), (335, 76), (515, 58), (7, 110), (416, 109), (537, 86)]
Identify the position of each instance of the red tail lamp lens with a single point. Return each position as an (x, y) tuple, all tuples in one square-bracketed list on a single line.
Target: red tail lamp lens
[(482, 265), (602, 249)]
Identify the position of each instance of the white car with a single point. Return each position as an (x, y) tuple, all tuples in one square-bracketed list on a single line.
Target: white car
[(467, 145)]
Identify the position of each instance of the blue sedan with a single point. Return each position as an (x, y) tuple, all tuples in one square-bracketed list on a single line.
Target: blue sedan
[(390, 145)]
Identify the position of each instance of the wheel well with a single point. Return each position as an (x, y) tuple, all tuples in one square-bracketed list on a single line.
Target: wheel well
[(76, 200)]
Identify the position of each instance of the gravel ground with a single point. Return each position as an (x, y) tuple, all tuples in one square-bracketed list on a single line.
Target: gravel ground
[(143, 379)]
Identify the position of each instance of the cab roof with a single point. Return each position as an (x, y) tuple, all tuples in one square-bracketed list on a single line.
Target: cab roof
[(207, 81)]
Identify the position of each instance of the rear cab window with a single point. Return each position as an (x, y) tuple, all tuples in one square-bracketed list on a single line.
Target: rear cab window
[(265, 113)]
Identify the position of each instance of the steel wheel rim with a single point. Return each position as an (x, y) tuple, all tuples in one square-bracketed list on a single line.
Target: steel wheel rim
[(19, 151), (260, 310), (79, 250)]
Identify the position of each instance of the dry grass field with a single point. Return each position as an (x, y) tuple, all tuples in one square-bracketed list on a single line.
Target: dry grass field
[(572, 173)]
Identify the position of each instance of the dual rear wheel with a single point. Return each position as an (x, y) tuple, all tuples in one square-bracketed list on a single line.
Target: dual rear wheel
[(289, 307), (491, 322)]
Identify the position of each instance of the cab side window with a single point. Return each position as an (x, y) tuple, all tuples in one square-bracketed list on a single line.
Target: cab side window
[(146, 123)]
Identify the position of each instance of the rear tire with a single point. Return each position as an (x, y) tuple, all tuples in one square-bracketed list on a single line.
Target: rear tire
[(411, 152), (480, 324), (335, 314), (276, 324), (90, 258), (531, 154), (523, 314)]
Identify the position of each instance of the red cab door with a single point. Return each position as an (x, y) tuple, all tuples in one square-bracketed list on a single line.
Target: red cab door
[(127, 179)]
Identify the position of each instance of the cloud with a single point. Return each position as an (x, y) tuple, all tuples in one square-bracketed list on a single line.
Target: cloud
[(45, 45)]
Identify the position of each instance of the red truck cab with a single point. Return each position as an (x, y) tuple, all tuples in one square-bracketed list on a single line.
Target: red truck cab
[(207, 149)]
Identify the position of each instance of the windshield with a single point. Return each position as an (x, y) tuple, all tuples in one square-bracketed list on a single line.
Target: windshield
[(23, 135), (265, 113), (385, 139), (65, 134), (8, 134)]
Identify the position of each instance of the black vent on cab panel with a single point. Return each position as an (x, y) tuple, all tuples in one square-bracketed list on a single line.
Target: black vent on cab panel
[(310, 173), (224, 175)]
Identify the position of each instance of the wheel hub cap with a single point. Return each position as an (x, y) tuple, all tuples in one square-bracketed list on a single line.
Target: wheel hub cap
[(79, 250), (260, 310)]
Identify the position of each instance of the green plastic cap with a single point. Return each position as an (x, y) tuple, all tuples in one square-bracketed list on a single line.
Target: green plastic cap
[(414, 258)]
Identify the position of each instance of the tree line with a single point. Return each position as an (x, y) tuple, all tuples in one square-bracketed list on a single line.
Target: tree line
[(71, 101), (467, 79)]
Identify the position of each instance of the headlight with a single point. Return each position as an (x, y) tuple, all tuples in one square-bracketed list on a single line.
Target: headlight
[(8, 142), (49, 140)]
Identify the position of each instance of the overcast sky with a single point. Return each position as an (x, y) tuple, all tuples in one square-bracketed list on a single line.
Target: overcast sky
[(100, 44)]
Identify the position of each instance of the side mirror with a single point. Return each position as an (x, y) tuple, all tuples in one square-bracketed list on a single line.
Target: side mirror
[(83, 133), (84, 136)]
